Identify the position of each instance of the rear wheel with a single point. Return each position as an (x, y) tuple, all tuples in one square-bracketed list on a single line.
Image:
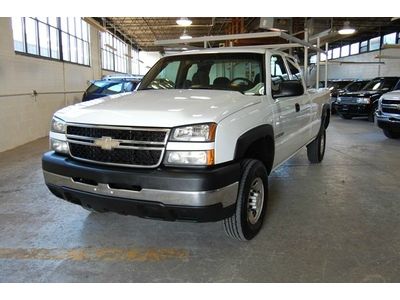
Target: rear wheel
[(316, 149), (251, 202), (391, 134)]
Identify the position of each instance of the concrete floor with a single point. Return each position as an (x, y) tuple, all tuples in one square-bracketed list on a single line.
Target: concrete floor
[(334, 222)]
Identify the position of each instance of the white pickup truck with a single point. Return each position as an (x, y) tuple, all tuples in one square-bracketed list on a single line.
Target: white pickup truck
[(195, 142), (388, 113)]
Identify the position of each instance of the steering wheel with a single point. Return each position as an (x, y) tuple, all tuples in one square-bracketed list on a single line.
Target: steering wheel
[(247, 81)]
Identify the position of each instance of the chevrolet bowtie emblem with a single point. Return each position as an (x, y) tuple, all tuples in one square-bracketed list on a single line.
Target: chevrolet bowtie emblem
[(106, 143)]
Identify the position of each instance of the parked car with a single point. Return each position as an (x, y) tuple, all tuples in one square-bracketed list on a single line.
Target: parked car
[(110, 86), (388, 113), (353, 86), (195, 142), (364, 103), (334, 86)]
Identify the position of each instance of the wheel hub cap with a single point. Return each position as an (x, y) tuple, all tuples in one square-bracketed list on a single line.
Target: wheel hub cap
[(255, 200)]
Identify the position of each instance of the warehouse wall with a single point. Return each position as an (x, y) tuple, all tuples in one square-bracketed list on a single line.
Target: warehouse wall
[(391, 67), (23, 117)]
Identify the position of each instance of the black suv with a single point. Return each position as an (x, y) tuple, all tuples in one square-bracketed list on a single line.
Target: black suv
[(364, 103), (353, 86)]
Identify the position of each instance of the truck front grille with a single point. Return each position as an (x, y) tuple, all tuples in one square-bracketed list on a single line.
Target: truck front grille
[(119, 146), (390, 106), (116, 156), (348, 100), (120, 134)]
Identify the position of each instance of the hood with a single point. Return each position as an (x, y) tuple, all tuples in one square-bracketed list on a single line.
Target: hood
[(362, 94), (395, 95), (158, 108)]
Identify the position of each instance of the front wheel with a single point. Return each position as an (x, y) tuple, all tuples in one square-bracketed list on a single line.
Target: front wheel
[(251, 202), (316, 149), (391, 134)]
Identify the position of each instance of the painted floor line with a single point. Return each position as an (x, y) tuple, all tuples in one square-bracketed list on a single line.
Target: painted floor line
[(96, 254)]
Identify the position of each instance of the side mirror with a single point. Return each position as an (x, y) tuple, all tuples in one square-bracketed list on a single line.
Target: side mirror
[(288, 88)]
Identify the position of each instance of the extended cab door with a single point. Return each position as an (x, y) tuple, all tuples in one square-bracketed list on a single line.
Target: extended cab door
[(292, 112)]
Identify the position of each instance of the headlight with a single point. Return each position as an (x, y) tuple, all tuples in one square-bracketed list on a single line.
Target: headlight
[(58, 125), (190, 158), (194, 133), (59, 146), (363, 100)]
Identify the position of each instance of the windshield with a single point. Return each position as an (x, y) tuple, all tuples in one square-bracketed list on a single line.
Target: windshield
[(397, 87), (379, 84), (356, 86), (240, 72), (105, 87)]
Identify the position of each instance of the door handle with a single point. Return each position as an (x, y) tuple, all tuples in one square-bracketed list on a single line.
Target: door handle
[(297, 106)]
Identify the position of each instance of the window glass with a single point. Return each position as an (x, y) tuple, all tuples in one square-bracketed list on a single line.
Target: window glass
[(167, 77), (295, 72), (336, 53), (41, 36), (18, 34), (390, 38), (114, 53), (113, 89), (73, 48), (240, 72), (64, 24), (374, 44), (53, 21), (330, 54), (65, 47), (31, 36), (55, 49), (363, 46), (355, 48), (345, 51), (44, 39)]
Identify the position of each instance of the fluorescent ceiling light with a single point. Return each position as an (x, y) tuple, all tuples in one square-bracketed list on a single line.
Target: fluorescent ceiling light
[(184, 22), (346, 29)]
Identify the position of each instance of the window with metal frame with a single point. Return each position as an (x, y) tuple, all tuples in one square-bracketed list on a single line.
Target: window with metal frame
[(375, 43), (65, 39), (363, 46), (114, 53)]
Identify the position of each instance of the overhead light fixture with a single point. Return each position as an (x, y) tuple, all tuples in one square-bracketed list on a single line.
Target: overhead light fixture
[(184, 22), (346, 29), (185, 36)]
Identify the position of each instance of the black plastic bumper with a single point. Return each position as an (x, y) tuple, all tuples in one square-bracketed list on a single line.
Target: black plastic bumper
[(389, 123), (190, 180), (354, 109)]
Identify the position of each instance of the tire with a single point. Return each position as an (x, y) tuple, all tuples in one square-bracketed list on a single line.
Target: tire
[(248, 218), (316, 149), (346, 117), (371, 116), (390, 134)]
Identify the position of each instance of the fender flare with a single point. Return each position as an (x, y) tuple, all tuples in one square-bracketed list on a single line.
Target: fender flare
[(262, 133)]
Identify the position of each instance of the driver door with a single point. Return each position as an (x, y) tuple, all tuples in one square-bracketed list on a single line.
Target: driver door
[(292, 113)]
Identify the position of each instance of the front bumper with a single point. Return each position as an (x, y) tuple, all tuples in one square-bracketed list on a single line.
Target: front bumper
[(175, 194), (353, 109), (390, 122)]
